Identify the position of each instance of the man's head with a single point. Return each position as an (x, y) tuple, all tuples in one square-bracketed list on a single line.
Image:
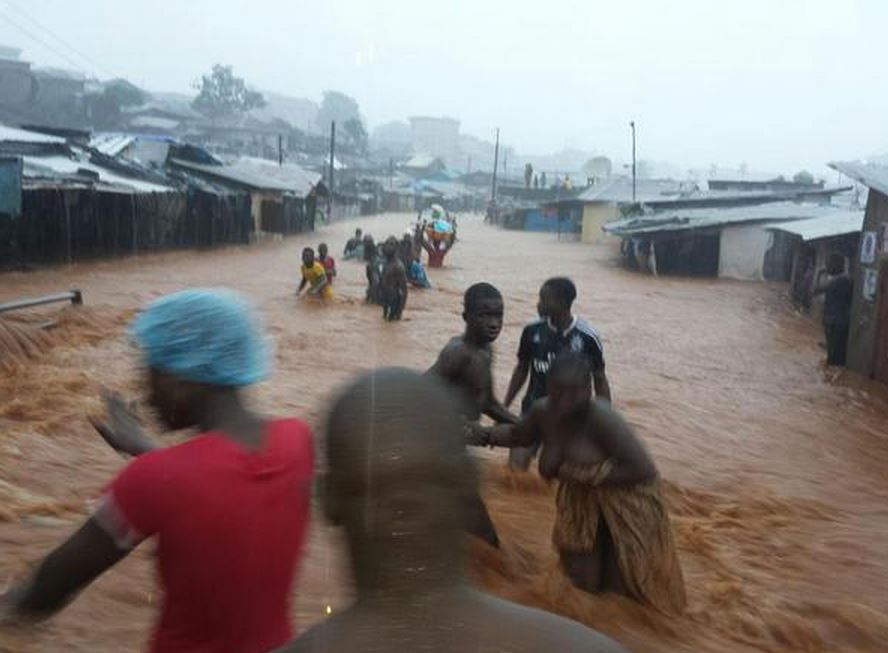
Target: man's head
[(198, 343), (483, 312), (557, 295), (390, 247), (369, 248), (322, 251), (569, 384), (308, 257), (358, 233), (398, 471), (836, 263)]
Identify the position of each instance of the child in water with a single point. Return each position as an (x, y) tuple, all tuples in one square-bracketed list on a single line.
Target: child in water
[(314, 276), (327, 261), (465, 365)]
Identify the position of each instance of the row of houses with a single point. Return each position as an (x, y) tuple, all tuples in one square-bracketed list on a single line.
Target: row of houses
[(70, 197), (775, 230)]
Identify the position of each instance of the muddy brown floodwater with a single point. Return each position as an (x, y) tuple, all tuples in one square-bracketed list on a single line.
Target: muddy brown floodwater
[(775, 469)]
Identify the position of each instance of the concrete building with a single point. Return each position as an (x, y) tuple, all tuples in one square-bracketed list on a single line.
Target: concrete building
[(736, 242), (16, 82), (868, 336), (436, 136)]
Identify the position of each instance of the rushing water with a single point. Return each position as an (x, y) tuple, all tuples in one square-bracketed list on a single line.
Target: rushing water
[(775, 468)]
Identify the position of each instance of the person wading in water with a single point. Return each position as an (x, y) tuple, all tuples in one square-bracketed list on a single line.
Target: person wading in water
[(228, 507)]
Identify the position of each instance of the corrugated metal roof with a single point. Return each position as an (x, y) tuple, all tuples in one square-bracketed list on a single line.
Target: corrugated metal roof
[(111, 144), (15, 135), (837, 223), (619, 189), (259, 174), (58, 167), (869, 174), (684, 219)]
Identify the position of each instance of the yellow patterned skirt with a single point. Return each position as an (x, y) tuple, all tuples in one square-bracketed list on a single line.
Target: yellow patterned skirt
[(640, 528)]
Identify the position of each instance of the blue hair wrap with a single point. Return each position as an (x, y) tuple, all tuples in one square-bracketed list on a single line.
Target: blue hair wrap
[(203, 335)]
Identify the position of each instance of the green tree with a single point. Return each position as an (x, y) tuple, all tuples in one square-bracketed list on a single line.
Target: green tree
[(356, 134), (803, 177), (339, 107), (221, 94), (103, 110)]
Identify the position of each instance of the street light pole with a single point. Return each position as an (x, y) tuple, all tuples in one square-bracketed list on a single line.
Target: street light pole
[(495, 166), (632, 124)]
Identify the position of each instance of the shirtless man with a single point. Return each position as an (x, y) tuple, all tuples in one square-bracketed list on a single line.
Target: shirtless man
[(465, 365), (395, 455), (466, 361), (393, 285), (612, 529), (557, 331)]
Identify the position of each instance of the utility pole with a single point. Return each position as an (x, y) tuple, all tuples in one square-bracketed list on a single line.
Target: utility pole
[(632, 125), (332, 154), (391, 172), (280, 150), (495, 166)]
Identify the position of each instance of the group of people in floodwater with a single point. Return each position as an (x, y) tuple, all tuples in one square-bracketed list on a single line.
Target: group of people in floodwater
[(391, 266), (229, 507)]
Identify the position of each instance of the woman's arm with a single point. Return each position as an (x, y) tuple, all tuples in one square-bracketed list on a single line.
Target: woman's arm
[(76, 563), (523, 434)]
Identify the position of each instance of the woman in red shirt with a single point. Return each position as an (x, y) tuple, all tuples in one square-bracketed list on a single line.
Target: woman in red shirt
[(228, 507)]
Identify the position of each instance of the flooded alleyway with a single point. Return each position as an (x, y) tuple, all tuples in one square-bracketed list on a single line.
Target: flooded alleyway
[(775, 469)]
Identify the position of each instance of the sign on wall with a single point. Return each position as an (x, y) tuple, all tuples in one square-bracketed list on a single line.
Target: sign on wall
[(870, 284), (868, 246)]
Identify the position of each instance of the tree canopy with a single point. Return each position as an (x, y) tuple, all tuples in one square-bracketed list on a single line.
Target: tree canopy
[(803, 177), (339, 107), (356, 134), (221, 94)]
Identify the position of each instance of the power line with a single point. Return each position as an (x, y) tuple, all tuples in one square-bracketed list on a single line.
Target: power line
[(58, 38), (46, 45)]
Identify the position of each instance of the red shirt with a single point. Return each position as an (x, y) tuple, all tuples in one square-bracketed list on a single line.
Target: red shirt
[(329, 268), (436, 256), (230, 526)]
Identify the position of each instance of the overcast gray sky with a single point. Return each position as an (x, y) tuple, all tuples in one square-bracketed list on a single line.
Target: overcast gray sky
[(778, 84)]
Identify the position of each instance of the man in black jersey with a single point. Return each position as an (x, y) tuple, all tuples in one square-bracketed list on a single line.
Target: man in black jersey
[(557, 331)]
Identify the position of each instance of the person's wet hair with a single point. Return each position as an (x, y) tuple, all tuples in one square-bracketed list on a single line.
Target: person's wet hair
[(308, 250), (394, 427), (477, 293), (563, 288)]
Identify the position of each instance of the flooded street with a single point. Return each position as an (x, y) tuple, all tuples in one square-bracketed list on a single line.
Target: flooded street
[(775, 470)]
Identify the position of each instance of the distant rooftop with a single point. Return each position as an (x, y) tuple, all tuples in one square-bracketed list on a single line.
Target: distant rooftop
[(15, 135), (259, 174), (836, 223), (684, 219), (59, 73), (619, 190)]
